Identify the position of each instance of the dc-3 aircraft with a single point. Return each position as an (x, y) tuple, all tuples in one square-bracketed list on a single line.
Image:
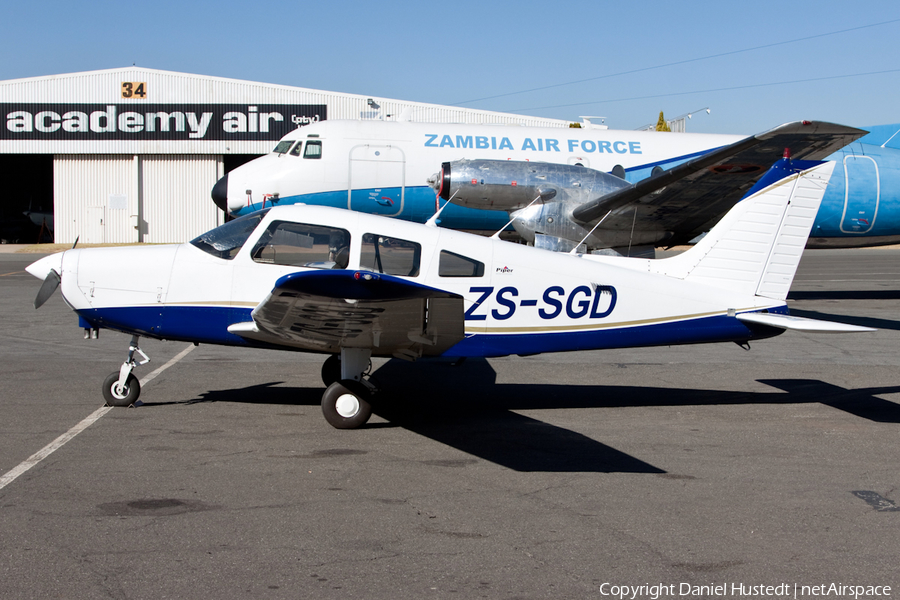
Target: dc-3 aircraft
[(383, 167), (354, 285)]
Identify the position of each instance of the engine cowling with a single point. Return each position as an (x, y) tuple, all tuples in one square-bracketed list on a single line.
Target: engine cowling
[(513, 185)]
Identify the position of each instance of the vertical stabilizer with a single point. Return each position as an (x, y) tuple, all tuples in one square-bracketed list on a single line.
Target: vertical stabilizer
[(756, 247)]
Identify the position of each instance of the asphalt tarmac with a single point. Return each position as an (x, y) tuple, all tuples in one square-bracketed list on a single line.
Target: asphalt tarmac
[(554, 476)]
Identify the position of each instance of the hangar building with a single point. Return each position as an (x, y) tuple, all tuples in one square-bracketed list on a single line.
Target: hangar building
[(131, 154)]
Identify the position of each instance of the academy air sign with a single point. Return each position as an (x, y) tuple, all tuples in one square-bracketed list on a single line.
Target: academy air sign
[(151, 122)]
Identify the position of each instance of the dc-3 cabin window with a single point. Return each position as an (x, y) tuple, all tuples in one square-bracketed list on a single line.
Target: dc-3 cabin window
[(302, 245), (457, 265), (391, 256), (227, 240), (313, 149)]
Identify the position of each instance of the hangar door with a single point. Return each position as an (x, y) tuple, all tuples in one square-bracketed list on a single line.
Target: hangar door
[(120, 199), (175, 197), (94, 199)]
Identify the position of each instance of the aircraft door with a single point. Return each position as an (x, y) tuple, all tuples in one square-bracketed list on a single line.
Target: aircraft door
[(861, 194), (377, 180)]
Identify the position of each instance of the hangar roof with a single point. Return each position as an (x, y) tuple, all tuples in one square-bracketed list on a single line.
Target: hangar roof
[(135, 110)]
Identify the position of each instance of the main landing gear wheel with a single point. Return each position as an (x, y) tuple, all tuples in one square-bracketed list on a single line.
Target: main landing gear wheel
[(126, 396), (345, 404), (331, 370)]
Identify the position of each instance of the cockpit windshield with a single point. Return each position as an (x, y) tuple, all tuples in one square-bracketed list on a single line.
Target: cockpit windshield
[(225, 241), (283, 146)]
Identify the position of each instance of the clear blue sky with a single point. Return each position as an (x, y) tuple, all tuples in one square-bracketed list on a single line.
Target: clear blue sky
[(455, 52)]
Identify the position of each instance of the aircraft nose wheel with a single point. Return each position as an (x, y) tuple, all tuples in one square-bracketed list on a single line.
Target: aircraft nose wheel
[(124, 396), (345, 404)]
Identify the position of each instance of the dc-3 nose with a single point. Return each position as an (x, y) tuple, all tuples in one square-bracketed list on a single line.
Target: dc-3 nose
[(220, 193)]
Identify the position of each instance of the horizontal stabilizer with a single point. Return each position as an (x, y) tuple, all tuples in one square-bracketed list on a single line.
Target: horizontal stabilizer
[(800, 323)]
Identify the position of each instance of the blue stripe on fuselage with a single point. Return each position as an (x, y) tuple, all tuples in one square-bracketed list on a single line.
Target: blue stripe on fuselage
[(209, 325)]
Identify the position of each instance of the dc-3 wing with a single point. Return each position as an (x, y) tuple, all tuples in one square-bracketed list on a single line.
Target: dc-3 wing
[(690, 197), (329, 310)]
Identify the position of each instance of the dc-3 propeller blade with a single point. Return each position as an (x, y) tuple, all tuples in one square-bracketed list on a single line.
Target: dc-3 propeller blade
[(51, 282)]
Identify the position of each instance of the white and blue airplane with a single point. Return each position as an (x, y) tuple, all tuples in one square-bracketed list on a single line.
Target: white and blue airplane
[(353, 285), (384, 168)]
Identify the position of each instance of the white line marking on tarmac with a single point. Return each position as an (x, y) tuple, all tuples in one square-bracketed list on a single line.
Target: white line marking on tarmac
[(174, 360), (87, 422)]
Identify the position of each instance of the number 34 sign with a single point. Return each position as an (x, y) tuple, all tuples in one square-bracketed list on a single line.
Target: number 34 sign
[(134, 89)]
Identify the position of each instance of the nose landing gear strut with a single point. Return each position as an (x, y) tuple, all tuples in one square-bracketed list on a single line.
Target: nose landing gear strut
[(122, 388)]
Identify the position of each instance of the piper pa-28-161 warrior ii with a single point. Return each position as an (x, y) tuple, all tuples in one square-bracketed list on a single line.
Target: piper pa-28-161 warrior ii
[(382, 167), (354, 285)]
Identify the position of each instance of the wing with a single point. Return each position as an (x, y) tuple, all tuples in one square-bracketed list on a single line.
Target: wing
[(688, 198), (325, 311)]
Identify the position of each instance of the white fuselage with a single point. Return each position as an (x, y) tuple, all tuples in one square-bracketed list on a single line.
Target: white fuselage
[(527, 300)]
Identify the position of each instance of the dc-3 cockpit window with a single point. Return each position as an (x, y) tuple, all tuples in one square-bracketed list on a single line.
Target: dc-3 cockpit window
[(457, 265), (391, 256), (302, 245), (283, 146), (227, 240), (313, 149), (295, 151)]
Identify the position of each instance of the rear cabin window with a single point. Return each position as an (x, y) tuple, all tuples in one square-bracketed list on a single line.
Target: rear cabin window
[(313, 149), (389, 255), (302, 245), (457, 265)]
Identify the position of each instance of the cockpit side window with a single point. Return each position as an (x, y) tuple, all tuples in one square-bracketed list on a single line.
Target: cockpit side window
[(227, 240), (303, 245), (313, 149), (457, 265), (295, 151), (283, 146), (392, 256)]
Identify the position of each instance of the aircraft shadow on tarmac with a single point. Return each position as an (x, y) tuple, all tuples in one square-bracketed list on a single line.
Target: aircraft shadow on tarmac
[(844, 295), (463, 407)]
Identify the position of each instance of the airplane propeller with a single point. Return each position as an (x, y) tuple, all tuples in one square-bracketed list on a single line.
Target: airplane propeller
[(51, 282)]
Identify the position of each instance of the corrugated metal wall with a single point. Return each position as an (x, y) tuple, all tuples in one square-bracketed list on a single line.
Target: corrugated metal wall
[(126, 199), (88, 199), (176, 205), (104, 88)]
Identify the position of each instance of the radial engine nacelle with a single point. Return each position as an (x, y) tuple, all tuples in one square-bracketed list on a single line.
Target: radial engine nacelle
[(513, 185)]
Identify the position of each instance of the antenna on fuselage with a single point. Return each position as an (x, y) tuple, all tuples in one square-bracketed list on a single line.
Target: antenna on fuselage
[(496, 236), (590, 233), (432, 222)]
